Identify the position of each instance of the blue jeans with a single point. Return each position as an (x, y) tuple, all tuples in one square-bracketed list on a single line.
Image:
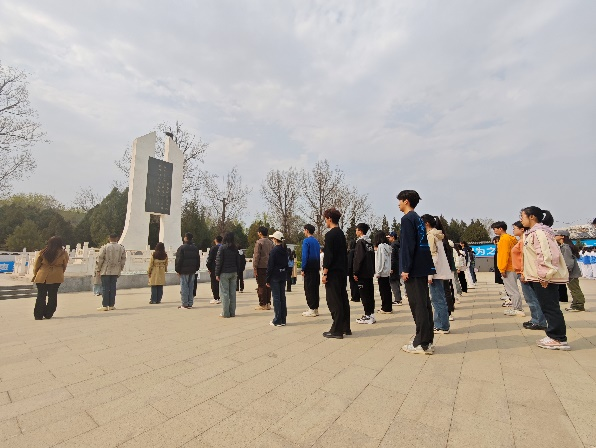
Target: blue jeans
[(532, 301), (441, 312), (227, 293), (156, 293), (108, 285), (187, 283), (278, 292)]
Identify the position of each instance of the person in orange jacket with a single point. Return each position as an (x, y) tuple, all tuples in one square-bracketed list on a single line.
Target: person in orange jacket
[(505, 266)]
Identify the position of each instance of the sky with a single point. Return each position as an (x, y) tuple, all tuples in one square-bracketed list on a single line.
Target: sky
[(482, 107)]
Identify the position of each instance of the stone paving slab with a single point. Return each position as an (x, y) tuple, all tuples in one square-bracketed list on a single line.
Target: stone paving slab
[(156, 376)]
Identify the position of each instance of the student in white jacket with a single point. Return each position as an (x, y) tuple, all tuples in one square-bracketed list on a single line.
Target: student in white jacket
[(443, 272), (383, 270)]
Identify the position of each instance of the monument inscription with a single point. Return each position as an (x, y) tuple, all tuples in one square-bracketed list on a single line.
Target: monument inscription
[(158, 197)]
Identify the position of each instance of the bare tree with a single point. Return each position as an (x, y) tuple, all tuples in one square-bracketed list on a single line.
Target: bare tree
[(192, 146), (226, 198), (86, 199), (19, 130), (281, 190), (325, 190), (354, 206)]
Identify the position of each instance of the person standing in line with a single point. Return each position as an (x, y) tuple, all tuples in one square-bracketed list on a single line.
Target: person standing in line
[(467, 250), (110, 263), (448, 283), (335, 267), (545, 269), (211, 258), (241, 268), (226, 273), (442, 272), (454, 255), (472, 256), (311, 259), (416, 270), (260, 262), (158, 266), (505, 266), (383, 270), (187, 264), (537, 321), (394, 280), (364, 271), (354, 291), (276, 278), (289, 270), (571, 255), (294, 268), (461, 265), (48, 275)]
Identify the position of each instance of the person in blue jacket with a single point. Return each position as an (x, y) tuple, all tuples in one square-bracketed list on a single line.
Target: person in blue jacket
[(311, 265)]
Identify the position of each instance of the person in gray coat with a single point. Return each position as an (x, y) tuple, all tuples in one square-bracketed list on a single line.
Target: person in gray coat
[(110, 263), (571, 255)]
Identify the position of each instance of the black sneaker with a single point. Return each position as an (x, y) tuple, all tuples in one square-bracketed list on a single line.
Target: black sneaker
[(536, 327), (527, 324)]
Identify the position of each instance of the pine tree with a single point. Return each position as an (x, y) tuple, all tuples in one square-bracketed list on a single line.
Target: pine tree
[(351, 232), (385, 225), (395, 226)]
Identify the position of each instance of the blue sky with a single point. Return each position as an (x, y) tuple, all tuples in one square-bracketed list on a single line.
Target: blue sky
[(483, 107)]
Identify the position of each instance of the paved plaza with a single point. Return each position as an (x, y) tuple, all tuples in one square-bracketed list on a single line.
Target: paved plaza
[(156, 376)]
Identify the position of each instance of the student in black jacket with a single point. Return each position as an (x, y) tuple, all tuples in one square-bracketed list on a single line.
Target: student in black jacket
[(211, 268), (335, 275), (416, 268), (354, 291), (277, 265), (186, 265), (241, 268), (364, 272)]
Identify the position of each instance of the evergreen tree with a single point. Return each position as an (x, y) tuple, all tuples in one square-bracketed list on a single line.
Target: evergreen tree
[(27, 235), (351, 232), (385, 225), (475, 232), (109, 216), (252, 233), (395, 226)]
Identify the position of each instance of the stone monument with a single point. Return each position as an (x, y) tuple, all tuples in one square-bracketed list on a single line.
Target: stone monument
[(155, 188)]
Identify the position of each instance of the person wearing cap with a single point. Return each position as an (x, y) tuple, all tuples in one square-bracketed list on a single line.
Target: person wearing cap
[(311, 265), (394, 280), (571, 255), (260, 261), (277, 265)]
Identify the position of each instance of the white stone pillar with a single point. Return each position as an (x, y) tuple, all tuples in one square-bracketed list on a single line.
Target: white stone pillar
[(170, 232)]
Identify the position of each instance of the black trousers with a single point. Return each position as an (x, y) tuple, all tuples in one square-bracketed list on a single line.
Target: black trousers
[(42, 308), (422, 311), (336, 293), (263, 292), (240, 281), (563, 297), (448, 287), (289, 280), (354, 291), (214, 285), (385, 293), (549, 304), (194, 288), (367, 295), (461, 275), (312, 280)]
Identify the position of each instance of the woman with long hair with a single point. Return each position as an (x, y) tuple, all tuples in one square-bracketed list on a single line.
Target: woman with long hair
[(544, 268), (571, 255), (158, 266), (383, 270), (226, 273), (48, 274), (461, 265)]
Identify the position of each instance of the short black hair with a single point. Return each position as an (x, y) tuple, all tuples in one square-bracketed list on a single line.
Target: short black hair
[(114, 236), (219, 238), (499, 225), (411, 196), (309, 228), (333, 214), (518, 224), (263, 231), (364, 228), (189, 236)]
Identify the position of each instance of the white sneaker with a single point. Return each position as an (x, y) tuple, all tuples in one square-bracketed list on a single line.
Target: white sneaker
[(366, 320), (505, 298), (112, 308), (451, 318), (102, 308), (507, 302), (317, 311), (310, 313), (552, 344), (439, 331), (512, 312), (409, 348), (218, 301), (384, 312), (213, 301)]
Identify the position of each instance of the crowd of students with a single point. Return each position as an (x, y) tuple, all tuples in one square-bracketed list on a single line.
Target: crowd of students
[(433, 272)]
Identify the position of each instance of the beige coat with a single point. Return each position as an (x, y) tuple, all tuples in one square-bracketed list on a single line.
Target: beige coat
[(157, 272), (50, 273), (111, 259)]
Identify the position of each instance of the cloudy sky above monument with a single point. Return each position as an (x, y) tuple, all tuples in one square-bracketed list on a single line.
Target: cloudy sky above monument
[(483, 107)]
